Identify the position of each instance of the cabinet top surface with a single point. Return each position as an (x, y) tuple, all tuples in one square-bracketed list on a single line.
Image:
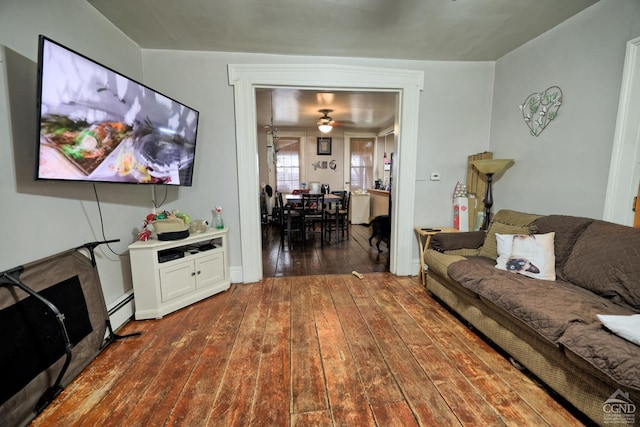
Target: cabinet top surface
[(211, 233), (378, 192)]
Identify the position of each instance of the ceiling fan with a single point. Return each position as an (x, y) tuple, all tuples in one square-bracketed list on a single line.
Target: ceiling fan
[(325, 123)]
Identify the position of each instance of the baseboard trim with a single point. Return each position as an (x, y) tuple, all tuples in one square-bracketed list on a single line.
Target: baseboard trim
[(121, 310), (235, 274)]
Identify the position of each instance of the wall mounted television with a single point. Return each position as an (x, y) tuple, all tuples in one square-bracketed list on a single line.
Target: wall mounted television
[(97, 125)]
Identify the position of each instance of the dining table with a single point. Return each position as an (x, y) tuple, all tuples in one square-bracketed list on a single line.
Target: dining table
[(328, 198)]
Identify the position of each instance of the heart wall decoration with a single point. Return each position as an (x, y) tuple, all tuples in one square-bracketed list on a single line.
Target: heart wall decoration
[(541, 108)]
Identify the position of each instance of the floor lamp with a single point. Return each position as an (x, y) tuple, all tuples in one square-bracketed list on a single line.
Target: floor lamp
[(489, 168)]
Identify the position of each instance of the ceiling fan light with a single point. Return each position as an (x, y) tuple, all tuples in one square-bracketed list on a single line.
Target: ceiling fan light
[(325, 128), (325, 124)]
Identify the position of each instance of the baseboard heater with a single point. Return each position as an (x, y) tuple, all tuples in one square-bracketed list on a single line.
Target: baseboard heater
[(53, 323)]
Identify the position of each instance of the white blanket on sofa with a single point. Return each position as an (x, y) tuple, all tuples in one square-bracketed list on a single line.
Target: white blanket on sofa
[(628, 327)]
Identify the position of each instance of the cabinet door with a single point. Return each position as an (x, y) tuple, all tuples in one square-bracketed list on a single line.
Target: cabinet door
[(176, 280), (210, 270), (360, 209)]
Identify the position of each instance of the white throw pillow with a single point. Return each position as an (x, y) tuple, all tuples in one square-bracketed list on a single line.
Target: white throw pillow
[(532, 256), (628, 327)]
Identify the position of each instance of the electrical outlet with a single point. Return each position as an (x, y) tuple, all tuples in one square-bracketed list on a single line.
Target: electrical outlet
[(435, 176)]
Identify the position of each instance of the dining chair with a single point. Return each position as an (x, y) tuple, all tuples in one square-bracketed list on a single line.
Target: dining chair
[(312, 215), (276, 212), (264, 214), (341, 194), (337, 218), (344, 213), (289, 220), (298, 191)]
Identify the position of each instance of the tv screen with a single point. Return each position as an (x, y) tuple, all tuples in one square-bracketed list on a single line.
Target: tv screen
[(98, 125)]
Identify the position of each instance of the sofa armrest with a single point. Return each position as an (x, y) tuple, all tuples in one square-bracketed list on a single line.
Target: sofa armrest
[(442, 242), (438, 262)]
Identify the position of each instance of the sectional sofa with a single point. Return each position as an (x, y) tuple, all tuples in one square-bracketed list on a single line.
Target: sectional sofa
[(554, 327)]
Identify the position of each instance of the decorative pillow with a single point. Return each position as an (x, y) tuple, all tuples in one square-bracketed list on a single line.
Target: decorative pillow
[(531, 256), (628, 327)]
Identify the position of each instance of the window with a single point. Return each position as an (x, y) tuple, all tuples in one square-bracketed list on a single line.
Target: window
[(361, 163), (288, 165)]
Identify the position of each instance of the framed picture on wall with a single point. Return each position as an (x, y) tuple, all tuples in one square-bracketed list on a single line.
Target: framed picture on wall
[(324, 146)]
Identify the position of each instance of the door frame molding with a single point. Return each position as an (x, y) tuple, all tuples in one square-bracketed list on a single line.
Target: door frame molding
[(245, 78), (624, 171)]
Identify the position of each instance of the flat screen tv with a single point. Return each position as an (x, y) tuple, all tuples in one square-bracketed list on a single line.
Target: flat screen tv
[(98, 125)]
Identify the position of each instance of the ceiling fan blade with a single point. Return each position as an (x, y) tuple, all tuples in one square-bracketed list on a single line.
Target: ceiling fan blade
[(344, 123)]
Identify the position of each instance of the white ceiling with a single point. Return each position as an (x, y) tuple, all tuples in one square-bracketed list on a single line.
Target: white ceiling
[(452, 30), (293, 107)]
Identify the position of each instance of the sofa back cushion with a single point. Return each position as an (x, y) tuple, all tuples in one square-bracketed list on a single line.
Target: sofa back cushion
[(506, 222), (606, 260), (568, 229)]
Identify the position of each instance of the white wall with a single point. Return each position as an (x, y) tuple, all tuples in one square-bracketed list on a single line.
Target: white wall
[(456, 112), (38, 219), (565, 169)]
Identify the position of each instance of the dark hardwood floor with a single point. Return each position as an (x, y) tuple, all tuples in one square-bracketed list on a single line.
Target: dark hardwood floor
[(321, 350), (353, 254)]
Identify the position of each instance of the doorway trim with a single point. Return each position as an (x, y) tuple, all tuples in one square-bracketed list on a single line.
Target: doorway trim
[(247, 77), (624, 172)]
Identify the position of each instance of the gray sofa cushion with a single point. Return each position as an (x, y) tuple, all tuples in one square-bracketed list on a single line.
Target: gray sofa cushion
[(547, 307), (568, 229), (613, 356), (604, 260)]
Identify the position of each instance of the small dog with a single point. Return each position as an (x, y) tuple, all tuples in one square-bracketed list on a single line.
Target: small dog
[(380, 228)]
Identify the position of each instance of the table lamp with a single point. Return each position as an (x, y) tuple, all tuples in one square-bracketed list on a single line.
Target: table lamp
[(490, 167)]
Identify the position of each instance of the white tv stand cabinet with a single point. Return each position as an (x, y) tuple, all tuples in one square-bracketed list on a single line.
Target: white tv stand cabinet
[(170, 275)]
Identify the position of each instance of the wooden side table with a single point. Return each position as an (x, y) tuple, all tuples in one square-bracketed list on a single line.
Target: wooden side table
[(424, 235)]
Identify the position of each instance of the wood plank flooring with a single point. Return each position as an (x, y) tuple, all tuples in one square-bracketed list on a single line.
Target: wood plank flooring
[(332, 258), (322, 350)]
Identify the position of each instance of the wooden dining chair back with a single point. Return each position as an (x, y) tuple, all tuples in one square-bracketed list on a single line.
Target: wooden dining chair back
[(339, 193), (297, 192), (312, 215), (337, 217), (264, 214), (276, 212)]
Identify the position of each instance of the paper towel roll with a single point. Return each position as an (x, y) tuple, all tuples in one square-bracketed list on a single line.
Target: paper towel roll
[(315, 188)]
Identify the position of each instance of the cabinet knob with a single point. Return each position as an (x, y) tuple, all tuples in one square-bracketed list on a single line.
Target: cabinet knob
[(199, 271), (193, 273)]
